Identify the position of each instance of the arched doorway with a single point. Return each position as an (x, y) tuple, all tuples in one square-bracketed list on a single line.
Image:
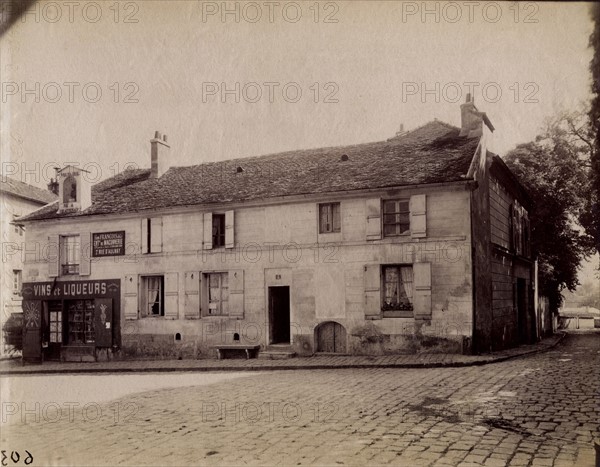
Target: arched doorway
[(331, 337)]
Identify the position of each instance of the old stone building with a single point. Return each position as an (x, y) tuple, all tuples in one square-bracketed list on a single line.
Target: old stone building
[(18, 199), (416, 243)]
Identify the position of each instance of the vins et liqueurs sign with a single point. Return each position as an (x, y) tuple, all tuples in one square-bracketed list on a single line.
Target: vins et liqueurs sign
[(108, 244)]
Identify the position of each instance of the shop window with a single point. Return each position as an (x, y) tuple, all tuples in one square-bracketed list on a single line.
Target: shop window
[(17, 281), (218, 293), (396, 217), (81, 322), (397, 291), (218, 230), (70, 254), (329, 218), (153, 296)]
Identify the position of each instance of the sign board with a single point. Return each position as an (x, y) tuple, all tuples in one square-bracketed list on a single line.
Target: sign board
[(108, 244)]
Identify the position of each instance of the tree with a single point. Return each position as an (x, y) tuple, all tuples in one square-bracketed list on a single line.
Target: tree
[(593, 134), (555, 171)]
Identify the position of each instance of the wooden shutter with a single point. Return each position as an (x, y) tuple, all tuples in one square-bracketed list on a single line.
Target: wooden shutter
[(373, 206), (207, 231), (53, 255), (236, 293), (418, 216), (130, 296), (144, 238), (103, 322), (156, 235), (422, 290), (191, 305), (171, 295), (85, 255), (229, 230), (372, 280)]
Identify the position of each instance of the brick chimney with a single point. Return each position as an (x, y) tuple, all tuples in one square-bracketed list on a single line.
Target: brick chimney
[(472, 120), (53, 186), (159, 155)]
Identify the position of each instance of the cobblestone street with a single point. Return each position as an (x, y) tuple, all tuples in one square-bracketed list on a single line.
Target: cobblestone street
[(540, 410)]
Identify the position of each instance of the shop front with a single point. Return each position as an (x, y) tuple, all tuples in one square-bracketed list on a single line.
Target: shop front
[(71, 320)]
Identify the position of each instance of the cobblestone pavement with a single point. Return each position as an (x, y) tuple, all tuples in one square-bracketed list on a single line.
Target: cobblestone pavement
[(540, 410)]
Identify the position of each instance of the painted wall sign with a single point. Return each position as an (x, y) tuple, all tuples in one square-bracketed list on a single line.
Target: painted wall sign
[(71, 289), (108, 244)]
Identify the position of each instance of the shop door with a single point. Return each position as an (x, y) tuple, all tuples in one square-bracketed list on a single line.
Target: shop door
[(55, 330)]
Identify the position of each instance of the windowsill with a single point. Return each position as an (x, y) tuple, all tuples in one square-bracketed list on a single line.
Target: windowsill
[(215, 316), (407, 234), (152, 316), (398, 314)]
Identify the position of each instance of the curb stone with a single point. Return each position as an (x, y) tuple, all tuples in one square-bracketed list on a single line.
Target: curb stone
[(274, 367)]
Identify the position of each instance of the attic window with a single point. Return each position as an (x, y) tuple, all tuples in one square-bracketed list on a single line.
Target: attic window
[(344, 157), (239, 170)]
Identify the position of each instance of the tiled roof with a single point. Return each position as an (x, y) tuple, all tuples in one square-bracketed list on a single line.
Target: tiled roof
[(432, 153), (23, 190)]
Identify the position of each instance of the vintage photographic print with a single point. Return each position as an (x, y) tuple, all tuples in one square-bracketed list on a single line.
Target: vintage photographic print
[(316, 233)]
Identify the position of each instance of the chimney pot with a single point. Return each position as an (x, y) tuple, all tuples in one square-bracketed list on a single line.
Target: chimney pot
[(165, 138), (157, 134), (468, 97)]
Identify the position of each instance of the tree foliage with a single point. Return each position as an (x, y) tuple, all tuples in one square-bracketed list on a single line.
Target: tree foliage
[(555, 171), (594, 130)]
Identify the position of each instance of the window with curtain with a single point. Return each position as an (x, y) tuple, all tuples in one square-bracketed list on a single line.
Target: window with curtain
[(397, 290), (218, 293), (70, 253), (153, 295)]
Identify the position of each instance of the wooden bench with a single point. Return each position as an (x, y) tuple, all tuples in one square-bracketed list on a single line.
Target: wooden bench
[(224, 347)]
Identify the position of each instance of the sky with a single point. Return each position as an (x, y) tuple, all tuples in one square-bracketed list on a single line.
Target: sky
[(89, 83), (270, 77)]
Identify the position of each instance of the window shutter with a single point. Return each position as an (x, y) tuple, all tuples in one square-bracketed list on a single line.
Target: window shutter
[(229, 230), (53, 255), (236, 293), (144, 239), (85, 255), (373, 206), (337, 216), (171, 295), (207, 231), (130, 296), (514, 231), (156, 235), (422, 290), (191, 306), (372, 281), (418, 216)]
